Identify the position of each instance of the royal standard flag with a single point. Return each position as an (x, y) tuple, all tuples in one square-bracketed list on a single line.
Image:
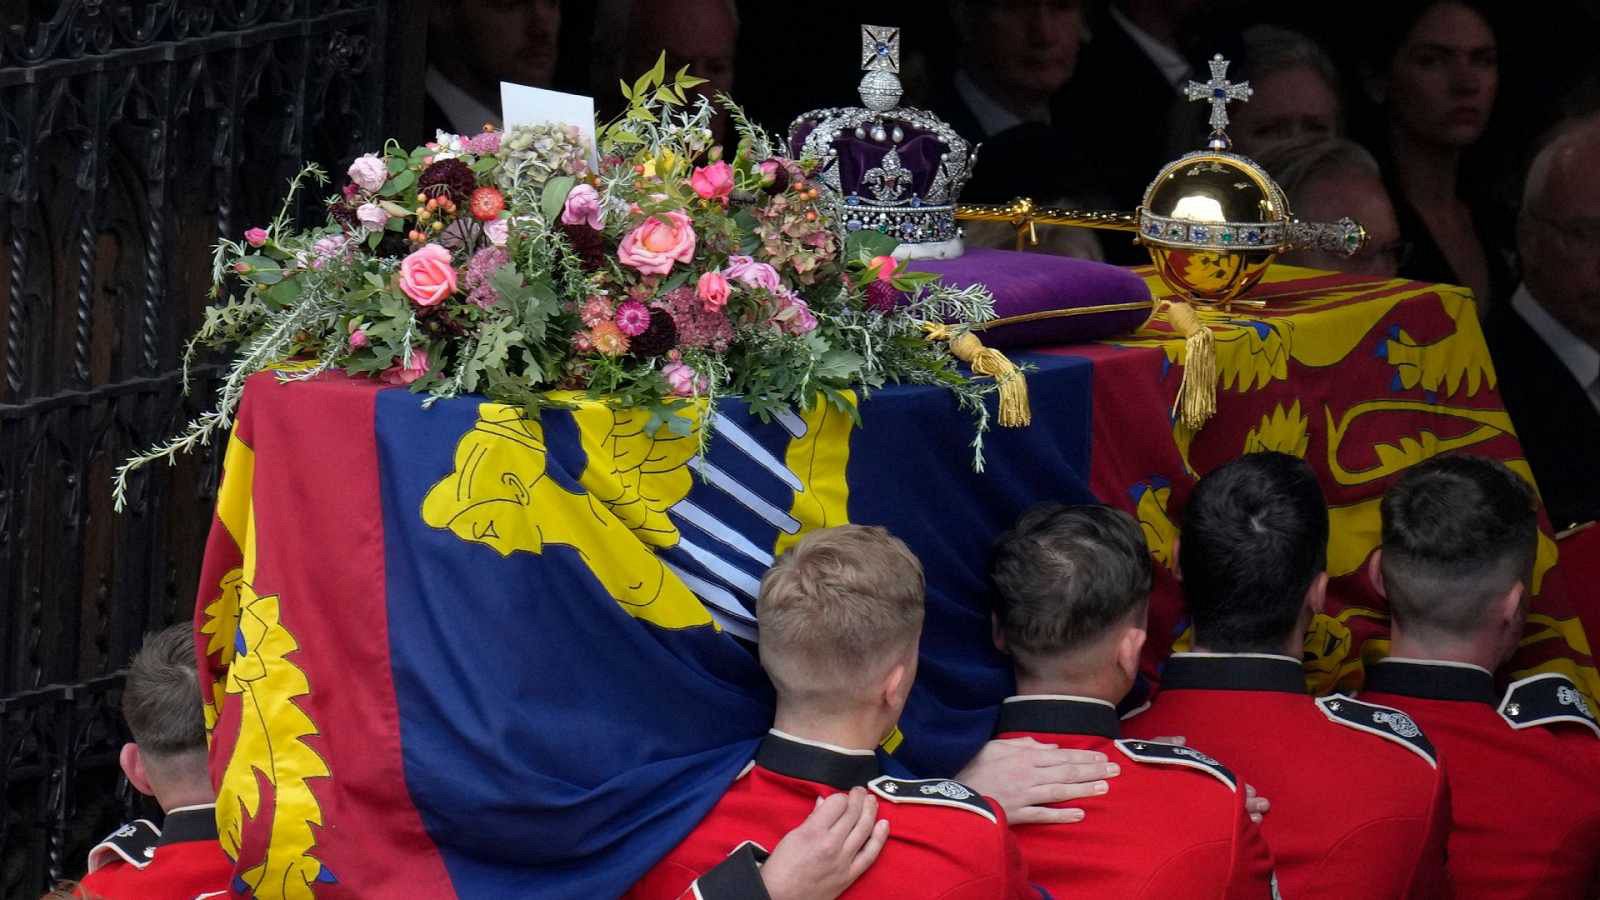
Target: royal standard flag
[(461, 651)]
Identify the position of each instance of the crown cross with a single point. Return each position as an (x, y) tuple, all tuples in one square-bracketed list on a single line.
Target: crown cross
[(1218, 92), (880, 48)]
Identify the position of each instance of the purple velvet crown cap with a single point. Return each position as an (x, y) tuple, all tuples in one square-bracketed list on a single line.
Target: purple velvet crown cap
[(919, 152), (1029, 283)]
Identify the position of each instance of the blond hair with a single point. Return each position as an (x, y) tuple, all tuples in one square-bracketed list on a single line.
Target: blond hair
[(838, 609)]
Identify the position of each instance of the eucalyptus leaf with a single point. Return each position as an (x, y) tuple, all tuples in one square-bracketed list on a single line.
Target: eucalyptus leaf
[(676, 281), (555, 196), (284, 293), (401, 183), (867, 243)]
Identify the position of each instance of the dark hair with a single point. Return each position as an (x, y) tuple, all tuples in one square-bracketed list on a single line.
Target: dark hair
[(1458, 531), (161, 698), (1389, 25), (1255, 536), (1064, 574)]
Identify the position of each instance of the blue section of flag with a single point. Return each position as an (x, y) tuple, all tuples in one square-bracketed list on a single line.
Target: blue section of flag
[(557, 747), (554, 746), (925, 494)]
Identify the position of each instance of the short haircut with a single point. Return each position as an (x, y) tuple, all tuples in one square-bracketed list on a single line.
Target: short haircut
[(839, 603), (1270, 49), (1063, 575), (1458, 532), (161, 697), (1255, 537), (1296, 164)]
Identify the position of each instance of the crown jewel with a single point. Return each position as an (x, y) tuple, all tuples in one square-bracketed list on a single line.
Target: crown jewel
[(894, 169)]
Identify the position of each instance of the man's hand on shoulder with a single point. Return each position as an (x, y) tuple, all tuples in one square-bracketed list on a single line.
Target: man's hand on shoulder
[(827, 852), (1026, 776)]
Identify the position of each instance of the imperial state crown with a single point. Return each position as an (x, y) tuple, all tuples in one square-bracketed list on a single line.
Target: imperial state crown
[(885, 167)]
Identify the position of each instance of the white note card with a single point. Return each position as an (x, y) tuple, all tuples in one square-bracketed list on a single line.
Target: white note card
[(524, 105)]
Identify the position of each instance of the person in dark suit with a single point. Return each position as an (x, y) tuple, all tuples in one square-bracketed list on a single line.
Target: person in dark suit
[(1546, 341), (1131, 72), (473, 45), (1015, 55)]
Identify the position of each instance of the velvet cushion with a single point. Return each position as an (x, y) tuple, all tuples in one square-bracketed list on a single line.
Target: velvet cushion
[(1024, 284)]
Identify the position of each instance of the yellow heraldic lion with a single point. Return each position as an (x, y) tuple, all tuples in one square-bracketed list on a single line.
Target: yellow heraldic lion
[(271, 749), (499, 494)]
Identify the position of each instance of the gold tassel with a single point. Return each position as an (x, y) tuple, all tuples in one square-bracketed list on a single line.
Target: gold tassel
[(1197, 392), (965, 346)]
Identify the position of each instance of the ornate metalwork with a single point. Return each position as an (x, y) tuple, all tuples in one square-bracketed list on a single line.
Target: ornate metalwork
[(127, 130)]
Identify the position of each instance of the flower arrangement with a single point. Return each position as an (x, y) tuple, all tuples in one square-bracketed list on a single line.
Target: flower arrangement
[(505, 264)]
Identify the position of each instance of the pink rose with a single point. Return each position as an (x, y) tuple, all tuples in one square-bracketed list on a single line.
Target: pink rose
[(498, 231), (358, 339), (402, 374), (683, 380), (712, 289), (427, 276), (747, 271), (657, 243), (713, 182), (885, 266), (255, 237), (583, 207), (369, 173), (372, 216)]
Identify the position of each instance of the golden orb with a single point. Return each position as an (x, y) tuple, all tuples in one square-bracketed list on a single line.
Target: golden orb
[(1213, 222)]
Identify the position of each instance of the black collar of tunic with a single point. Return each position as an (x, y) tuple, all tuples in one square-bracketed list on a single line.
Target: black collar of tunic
[(189, 825), (1234, 672), (1430, 681), (816, 762), (1058, 715)]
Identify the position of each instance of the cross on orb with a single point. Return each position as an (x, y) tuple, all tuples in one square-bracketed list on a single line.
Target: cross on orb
[(1218, 92)]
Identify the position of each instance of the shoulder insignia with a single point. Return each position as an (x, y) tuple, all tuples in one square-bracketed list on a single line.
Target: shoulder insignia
[(1159, 753), (1547, 698), (134, 843), (1383, 721), (933, 792)]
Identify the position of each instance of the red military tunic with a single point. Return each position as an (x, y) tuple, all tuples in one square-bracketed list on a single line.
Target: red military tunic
[(1173, 824), (1360, 807), (1524, 776), (180, 861), (945, 841)]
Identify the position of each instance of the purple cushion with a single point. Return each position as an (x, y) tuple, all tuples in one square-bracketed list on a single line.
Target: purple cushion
[(1024, 283)]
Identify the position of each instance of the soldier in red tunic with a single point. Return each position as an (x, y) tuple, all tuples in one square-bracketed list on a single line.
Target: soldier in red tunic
[(1072, 587), (1459, 539), (1360, 806), (166, 760), (841, 617)]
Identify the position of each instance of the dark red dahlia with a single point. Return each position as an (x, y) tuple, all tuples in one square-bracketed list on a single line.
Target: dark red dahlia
[(587, 243), (657, 339), (448, 176), (344, 214), (883, 297)]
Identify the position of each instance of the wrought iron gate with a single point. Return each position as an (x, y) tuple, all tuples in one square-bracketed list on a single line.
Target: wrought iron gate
[(132, 132)]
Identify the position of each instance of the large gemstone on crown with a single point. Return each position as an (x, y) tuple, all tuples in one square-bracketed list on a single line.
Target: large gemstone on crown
[(1213, 223)]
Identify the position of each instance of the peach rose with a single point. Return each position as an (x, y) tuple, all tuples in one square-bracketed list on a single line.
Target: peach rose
[(427, 275), (657, 243)]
